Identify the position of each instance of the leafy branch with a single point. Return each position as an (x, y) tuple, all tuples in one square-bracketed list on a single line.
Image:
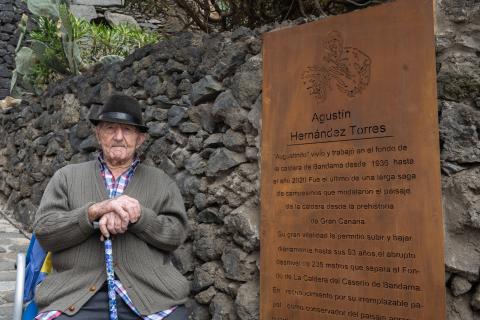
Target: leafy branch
[(228, 14)]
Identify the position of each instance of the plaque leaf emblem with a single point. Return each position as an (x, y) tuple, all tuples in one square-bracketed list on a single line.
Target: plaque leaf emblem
[(347, 68)]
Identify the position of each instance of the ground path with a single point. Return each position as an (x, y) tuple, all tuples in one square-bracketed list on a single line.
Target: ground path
[(12, 241)]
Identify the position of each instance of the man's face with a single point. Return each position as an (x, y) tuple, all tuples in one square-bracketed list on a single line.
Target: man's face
[(118, 142)]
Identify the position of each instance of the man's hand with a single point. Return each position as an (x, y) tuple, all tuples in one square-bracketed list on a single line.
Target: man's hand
[(131, 206), (126, 208), (111, 224)]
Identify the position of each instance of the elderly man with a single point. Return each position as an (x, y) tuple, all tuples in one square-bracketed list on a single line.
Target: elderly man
[(136, 205)]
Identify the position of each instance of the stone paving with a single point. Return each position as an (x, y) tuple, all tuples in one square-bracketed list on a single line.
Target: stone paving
[(12, 241)]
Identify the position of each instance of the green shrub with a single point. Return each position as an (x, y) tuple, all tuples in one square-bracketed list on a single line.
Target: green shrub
[(61, 44), (120, 40)]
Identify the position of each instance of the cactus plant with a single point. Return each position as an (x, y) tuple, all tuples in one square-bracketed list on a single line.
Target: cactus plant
[(70, 46), (24, 60), (44, 8), (22, 27)]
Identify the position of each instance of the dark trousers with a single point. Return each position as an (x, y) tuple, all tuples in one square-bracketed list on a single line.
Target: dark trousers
[(97, 309)]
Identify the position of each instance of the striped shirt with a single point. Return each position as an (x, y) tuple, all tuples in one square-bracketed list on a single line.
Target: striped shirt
[(115, 188)]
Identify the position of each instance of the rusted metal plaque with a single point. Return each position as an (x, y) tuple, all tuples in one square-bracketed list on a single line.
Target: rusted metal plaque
[(350, 188)]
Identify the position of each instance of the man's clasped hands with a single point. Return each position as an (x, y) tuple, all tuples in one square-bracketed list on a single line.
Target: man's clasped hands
[(114, 215)]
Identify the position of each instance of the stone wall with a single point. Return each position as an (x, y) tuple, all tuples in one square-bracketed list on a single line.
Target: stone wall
[(202, 100), (10, 14), (458, 51)]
